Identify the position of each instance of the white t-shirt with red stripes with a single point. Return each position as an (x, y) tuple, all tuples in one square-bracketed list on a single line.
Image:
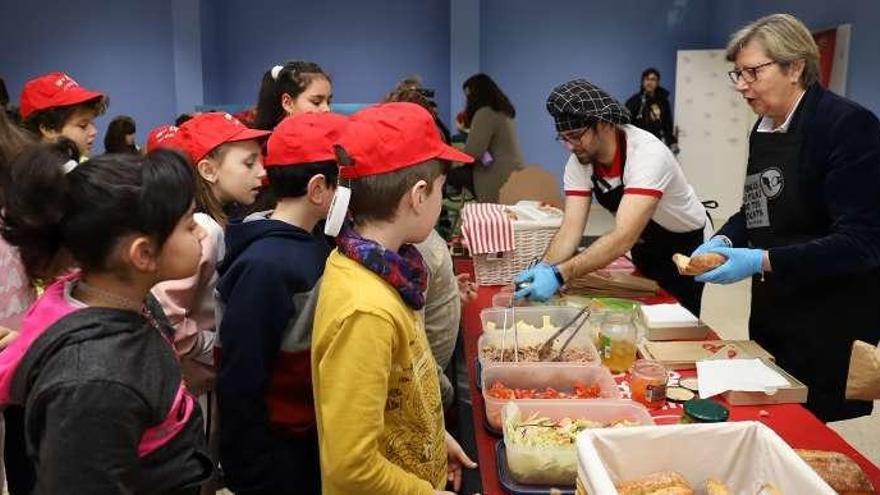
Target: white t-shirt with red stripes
[(650, 169)]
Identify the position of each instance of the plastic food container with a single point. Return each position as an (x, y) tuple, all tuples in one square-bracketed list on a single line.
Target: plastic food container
[(559, 376), (531, 318), (537, 324), (558, 464), (503, 347), (745, 455)]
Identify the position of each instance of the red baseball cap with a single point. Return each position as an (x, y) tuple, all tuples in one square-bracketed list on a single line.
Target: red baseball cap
[(206, 131), (164, 136), (305, 138), (55, 89), (391, 136)]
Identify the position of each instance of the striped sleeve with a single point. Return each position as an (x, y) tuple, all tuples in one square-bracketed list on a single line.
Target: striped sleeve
[(576, 179)]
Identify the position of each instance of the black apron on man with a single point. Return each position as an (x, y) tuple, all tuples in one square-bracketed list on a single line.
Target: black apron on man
[(809, 327), (652, 253)]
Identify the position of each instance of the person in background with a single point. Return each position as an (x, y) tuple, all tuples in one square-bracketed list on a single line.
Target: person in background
[(808, 232), (12, 114), (377, 399), (182, 119), (104, 403), (651, 111), (54, 105), (492, 139), (287, 90), (292, 88), (120, 136)]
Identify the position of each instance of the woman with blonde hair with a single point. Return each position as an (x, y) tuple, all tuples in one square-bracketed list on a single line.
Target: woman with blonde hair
[(808, 232)]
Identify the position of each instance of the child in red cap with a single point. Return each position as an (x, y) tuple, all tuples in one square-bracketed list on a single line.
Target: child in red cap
[(165, 136), (54, 105), (377, 398), (228, 160), (267, 288)]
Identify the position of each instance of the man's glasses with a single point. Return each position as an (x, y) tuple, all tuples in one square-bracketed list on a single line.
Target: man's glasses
[(748, 74), (572, 138)]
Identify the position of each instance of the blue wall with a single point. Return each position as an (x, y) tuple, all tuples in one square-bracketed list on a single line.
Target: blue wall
[(145, 54), (123, 49), (367, 47), (863, 79), (529, 47)]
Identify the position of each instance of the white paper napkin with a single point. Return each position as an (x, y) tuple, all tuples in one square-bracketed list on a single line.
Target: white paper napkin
[(744, 375)]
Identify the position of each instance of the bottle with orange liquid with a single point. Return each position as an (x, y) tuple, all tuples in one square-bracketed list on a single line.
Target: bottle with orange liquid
[(617, 341)]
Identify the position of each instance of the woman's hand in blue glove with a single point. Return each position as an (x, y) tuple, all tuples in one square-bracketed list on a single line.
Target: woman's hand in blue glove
[(741, 263), (710, 245)]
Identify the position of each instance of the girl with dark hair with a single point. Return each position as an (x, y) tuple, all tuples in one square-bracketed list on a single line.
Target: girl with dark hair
[(55, 106), (650, 109), (120, 136), (93, 369), (292, 88), (492, 139)]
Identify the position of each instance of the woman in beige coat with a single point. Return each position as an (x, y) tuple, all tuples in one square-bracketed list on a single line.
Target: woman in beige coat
[(492, 139)]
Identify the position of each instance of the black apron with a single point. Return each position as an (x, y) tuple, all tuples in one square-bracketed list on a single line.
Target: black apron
[(652, 253), (808, 327)]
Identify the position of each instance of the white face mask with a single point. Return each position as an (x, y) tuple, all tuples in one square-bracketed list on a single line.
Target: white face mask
[(338, 211)]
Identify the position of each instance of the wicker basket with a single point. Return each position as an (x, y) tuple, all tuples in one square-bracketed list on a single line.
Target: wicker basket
[(530, 239)]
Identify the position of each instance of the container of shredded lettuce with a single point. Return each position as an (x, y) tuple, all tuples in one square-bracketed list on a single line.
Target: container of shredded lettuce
[(540, 439)]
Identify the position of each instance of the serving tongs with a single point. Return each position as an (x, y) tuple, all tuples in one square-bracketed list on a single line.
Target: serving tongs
[(546, 348)]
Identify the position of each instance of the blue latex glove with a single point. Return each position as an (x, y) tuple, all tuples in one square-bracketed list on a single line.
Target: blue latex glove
[(741, 263), (542, 281), (710, 246)]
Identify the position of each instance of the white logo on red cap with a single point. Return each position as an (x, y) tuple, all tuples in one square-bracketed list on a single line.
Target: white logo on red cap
[(66, 82)]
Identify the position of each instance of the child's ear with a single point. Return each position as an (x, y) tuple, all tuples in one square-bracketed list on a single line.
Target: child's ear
[(316, 188), (208, 170), (143, 255), (288, 103), (418, 194), (49, 134)]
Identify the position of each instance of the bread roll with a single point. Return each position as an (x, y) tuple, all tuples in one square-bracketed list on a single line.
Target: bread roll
[(839, 471), (662, 483), (716, 487), (699, 264)]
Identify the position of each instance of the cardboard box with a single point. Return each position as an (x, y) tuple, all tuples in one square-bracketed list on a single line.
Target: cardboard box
[(684, 355), (796, 393), (671, 322)]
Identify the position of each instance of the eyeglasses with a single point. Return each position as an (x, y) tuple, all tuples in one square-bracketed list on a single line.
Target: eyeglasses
[(572, 137), (748, 74)]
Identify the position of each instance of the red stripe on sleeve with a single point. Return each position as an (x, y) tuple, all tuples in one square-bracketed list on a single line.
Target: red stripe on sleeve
[(644, 192)]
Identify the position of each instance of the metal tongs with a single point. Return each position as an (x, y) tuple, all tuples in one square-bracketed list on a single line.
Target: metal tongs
[(546, 348)]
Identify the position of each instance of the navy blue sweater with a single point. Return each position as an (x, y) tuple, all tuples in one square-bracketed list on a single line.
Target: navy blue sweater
[(267, 290), (841, 170)]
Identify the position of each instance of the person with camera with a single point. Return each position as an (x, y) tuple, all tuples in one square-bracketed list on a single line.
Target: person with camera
[(492, 139)]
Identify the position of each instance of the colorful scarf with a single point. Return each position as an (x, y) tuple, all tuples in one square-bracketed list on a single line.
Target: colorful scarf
[(404, 270)]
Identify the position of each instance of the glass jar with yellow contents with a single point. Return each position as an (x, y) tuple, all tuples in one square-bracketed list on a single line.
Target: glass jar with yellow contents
[(617, 341)]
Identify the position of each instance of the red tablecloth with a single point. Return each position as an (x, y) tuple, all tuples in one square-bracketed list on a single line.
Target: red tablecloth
[(792, 422)]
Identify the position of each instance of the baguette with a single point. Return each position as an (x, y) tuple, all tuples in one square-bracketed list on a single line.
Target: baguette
[(662, 483), (839, 471), (699, 264)]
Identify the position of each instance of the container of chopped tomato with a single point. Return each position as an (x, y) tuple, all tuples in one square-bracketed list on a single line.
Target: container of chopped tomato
[(504, 383)]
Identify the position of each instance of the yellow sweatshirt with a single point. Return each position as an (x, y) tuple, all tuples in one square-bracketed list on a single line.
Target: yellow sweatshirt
[(380, 419)]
